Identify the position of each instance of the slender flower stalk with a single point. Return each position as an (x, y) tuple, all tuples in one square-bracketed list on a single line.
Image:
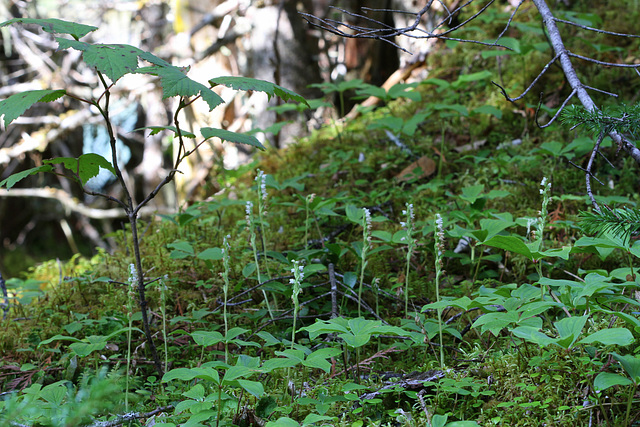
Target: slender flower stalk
[(261, 180), (538, 234), (133, 283), (296, 281), (411, 243), (163, 308), (366, 242), (252, 234), (226, 248), (439, 250), (307, 201)]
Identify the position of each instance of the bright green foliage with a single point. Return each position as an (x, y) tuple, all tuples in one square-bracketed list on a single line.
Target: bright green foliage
[(84, 167), (271, 89), (15, 105), (521, 339), (55, 26), (175, 83), (226, 135), (113, 60), (17, 177), (355, 332)]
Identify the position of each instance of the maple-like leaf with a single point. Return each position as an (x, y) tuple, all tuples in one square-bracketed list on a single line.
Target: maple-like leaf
[(175, 82), (55, 26), (86, 166), (13, 179), (246, 83), (15, 105), (227, 135)]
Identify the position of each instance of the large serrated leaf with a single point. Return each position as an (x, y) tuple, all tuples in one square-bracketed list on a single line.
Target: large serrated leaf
[(176, 83), (13, 179), (246, 83), (15, 105), (56, 26), (86, 166), (113, 60), (227, 135)]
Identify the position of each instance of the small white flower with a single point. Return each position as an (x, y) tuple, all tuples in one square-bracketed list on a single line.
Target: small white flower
[(133, 274), (367, 217), (261, 179)]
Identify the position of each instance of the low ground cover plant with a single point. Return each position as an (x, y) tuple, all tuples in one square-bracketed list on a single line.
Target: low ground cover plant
[(342, 297)]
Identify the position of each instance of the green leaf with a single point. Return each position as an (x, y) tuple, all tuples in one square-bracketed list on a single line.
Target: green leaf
[(604, 380), (16, 177), (613, 336), (227, 135), (186, 374), (211, 254), (86, 166), (283, 422), (312, 419), (533, 335), (466, 78), (175, 83), (631, 365), (495, 322), (247, 83), (318, 359), (56, 26), (569, 329), (196, 392), (207, 338), (84, 349), (354, 214), (510, 243), (58, 338), (182, 246), (472, 193), (488, 109), (439, 420), (113, 60), (460, 109), (15, 105), (254, 388)]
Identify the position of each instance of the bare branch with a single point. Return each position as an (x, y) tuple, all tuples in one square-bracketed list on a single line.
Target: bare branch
[(73, 205), (540, 74), (584, 27), (557, 114)]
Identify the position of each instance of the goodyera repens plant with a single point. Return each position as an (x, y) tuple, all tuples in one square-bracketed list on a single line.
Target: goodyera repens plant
[(111, 62), (407, 225), (366, 242)]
